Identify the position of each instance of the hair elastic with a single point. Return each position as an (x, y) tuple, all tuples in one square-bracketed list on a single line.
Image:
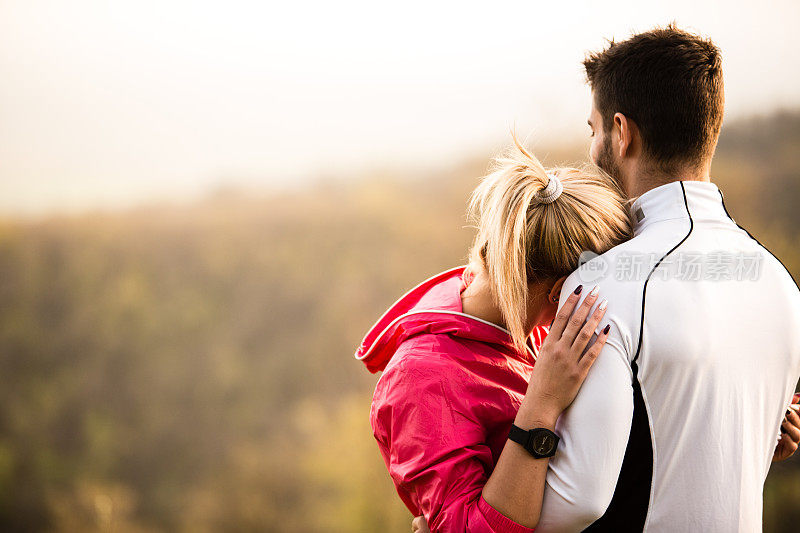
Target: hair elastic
[(551, 192)]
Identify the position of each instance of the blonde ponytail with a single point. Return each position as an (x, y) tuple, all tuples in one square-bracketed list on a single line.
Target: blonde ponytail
[(521, 240)]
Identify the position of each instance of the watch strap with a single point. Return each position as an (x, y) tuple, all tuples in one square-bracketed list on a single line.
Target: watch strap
[(518, 435)]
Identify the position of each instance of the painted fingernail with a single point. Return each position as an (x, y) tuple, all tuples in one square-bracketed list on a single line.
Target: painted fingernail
[(595, 290), (603, 305), (606, 329), (578, 289), (783, 430)]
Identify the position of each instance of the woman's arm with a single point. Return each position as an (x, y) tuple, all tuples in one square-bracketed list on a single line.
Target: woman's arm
[(516, 486), (513, 492)]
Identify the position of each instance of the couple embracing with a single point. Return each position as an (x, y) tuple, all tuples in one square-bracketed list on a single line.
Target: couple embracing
[(647, 388)]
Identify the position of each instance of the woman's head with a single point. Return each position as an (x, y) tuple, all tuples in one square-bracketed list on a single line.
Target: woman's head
[(523, 242)]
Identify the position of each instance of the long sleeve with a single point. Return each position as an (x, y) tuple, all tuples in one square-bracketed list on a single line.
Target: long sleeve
[(594, 434), (435, 449)]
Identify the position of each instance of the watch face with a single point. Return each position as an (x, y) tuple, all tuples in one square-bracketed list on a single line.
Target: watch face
[(543, 443)]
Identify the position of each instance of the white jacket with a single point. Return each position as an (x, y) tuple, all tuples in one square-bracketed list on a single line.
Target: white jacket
[(675, 426)]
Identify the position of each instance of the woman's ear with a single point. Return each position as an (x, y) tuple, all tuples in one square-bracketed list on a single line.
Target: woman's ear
[(555, 290)]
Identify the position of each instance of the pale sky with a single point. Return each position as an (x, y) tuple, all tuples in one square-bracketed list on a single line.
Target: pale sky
[(113, 103)]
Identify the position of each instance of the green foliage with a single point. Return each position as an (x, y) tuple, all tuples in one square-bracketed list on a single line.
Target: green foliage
[(189, 368)]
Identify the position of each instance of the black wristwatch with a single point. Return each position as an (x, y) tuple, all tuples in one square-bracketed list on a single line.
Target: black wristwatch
[(539, 442)]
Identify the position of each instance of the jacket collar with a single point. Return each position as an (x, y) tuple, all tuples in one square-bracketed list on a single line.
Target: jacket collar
[(700, 200), (433, 306)]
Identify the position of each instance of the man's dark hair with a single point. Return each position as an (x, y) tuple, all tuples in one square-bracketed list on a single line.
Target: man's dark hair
[(669, 82)]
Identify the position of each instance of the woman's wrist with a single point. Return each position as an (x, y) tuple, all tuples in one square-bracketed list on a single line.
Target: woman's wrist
[(534, 414)]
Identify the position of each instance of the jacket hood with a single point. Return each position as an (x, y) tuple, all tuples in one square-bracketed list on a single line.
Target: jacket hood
[(434, 307)]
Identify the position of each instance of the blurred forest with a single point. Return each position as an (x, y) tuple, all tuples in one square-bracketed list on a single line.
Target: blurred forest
[(189, 368)]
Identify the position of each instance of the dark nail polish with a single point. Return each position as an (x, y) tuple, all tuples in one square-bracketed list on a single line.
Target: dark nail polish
[(788, 412), (606, 329), (578, 289), (783, 430)]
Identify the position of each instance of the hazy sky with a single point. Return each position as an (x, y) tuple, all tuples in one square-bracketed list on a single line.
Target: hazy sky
[(116, 102)]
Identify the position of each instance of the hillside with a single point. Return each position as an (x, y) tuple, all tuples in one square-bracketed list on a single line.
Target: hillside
[(190, 368)]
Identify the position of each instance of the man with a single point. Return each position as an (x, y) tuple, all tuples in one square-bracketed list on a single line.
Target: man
[(675, 427), (676, 424)]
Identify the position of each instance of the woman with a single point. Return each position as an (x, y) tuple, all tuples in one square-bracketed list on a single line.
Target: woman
[(457, 354), (457, 351)]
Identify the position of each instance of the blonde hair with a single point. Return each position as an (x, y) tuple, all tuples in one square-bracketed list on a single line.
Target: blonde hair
[(520, 240)]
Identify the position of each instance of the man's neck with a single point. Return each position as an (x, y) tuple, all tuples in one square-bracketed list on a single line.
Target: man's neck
[(648, 180)]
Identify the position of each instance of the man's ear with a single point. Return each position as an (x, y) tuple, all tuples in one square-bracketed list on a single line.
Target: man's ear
[(555, 290), (627, 131)]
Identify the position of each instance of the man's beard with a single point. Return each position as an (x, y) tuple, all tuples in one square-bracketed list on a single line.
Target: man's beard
[(606, 161)]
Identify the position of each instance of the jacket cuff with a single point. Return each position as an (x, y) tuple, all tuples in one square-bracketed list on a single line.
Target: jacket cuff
[(498, 521)]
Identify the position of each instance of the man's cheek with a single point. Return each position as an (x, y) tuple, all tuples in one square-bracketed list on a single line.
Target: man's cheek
[(593, 151)]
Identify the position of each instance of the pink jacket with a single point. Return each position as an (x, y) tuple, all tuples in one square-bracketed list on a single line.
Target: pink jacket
[(450, 389)]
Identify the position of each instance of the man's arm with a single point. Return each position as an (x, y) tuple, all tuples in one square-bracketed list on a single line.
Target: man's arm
[(594, 434)]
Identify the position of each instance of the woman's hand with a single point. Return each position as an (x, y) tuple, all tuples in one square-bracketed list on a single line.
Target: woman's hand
[(790, 433), (564, 360)]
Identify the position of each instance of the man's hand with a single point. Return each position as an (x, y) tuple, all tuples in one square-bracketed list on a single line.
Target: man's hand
[(790, 434), (420, 525)]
